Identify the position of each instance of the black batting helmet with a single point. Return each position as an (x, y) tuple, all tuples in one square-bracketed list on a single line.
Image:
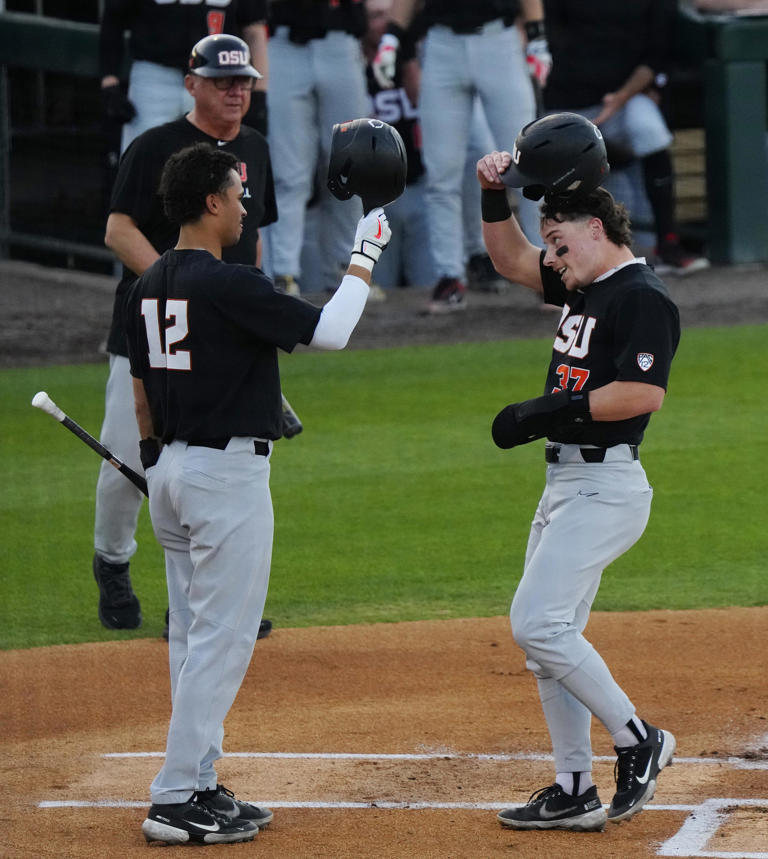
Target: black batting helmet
[(368, 159), (562, 153), (221, 56)]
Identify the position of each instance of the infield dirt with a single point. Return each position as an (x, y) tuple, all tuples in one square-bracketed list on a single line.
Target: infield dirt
[(439, 693)]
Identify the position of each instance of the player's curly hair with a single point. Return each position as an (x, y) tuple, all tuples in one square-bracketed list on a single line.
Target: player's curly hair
[(189, 176), (596, 204)]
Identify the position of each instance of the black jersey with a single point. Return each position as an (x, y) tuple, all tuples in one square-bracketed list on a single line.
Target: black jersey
[(622, 329), (597, 45), (135, 194), (313, 19), (463, 16), (164, 33), (394, 107), (203, 336)]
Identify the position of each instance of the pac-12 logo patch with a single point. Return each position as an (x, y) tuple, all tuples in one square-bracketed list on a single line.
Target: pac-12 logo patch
[(644, 361)]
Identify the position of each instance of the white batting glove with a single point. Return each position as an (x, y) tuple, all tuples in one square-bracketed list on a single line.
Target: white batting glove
[(383, 65), (372, 236), (539, 59)]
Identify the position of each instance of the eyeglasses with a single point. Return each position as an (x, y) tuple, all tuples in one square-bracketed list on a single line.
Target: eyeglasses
[(230, 81)]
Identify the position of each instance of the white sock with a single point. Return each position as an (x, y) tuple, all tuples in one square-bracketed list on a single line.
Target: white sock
[(631, 734), (575, 783)]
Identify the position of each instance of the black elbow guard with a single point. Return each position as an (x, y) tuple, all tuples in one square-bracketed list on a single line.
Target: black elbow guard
[(520, 423), (505, 428)]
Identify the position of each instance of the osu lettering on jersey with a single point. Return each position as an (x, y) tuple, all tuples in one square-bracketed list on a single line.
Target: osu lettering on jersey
[(622, 328)]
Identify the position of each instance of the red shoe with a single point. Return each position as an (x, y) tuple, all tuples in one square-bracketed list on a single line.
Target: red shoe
[(674, 259), (447, 296)]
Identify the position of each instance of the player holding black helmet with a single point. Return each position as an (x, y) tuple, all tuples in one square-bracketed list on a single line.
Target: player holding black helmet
[(203, 339), (610, 365)]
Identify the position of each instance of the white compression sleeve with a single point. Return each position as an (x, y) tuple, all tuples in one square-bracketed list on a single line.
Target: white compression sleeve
[(341, 314)]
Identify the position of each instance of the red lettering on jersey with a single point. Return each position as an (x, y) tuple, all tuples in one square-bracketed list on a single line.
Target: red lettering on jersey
[(577, 375), (215, 23), (243, 172)]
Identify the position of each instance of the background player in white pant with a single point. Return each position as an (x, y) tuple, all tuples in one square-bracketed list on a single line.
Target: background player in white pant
[(468, 50), (610, 364), (318, 80), (203, 338), (138, 232)]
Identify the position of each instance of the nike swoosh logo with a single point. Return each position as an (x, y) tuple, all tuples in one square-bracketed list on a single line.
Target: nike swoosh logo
[(221, 142), (378, 235), (210, 827), (546, 814), (644, 777), (586, 494)]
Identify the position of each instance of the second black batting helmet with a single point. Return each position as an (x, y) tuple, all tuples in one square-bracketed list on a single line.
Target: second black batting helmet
[(368, 159), (561, 153), (221, 56)]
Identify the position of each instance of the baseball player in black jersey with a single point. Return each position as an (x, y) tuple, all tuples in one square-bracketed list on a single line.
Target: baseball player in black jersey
[(138, 232), (203, 338), (609, 369)]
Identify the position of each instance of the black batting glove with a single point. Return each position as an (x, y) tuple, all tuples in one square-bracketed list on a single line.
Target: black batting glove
[(149, 452), (291, 422), (116, 105)]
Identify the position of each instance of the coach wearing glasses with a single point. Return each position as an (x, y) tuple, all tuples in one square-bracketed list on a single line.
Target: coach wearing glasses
[(220, 79), (161, 32)]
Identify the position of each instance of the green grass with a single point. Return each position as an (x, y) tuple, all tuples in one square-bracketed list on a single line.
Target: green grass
[(394, 504)]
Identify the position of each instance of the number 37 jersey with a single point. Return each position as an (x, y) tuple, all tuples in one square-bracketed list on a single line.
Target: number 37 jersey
[(623, 328)]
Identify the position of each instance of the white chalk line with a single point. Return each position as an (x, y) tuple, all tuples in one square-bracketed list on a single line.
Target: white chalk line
[(702, 823), (415, 804), (735, 762), (699, 827)]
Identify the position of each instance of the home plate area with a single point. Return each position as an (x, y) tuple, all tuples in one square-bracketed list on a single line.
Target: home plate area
[(722, 827)]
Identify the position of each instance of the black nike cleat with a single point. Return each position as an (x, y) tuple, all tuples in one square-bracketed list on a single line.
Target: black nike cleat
[(192, 823), (552, 808), (223, 801), (637, 768)]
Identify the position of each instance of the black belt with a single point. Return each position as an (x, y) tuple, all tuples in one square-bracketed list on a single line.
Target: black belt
[(260, 448), (470, 30), (588, 454)]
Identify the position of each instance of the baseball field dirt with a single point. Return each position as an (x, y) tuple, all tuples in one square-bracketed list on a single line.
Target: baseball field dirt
[(393, 740), (388, 740)]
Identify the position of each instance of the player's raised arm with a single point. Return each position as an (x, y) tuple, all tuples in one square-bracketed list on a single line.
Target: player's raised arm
[(511, 253), (343, 311), (368, 160)]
